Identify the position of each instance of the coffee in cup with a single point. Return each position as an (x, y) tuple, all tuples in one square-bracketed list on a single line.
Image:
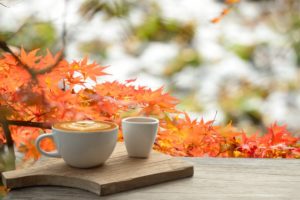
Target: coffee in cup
[(82, 144), (85, 126)]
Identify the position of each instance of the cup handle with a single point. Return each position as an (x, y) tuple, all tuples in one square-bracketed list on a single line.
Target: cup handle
[(54, 154)]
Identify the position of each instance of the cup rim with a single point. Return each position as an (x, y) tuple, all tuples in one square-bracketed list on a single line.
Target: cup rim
[(152, 120), (87, 132)]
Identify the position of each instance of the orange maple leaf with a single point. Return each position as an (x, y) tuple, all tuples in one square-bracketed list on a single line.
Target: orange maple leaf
[(91, 71)]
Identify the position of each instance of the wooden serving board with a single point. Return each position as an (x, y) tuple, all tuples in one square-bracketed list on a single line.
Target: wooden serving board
[(119, 173)]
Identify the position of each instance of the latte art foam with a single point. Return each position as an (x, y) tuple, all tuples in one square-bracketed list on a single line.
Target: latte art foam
[(84, 126)]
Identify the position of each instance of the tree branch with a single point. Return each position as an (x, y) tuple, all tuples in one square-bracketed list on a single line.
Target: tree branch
[(7, 123), (45, 125), (33, 73)]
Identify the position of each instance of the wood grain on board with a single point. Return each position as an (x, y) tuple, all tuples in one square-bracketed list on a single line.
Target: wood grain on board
[(214, 179), (119, 173)]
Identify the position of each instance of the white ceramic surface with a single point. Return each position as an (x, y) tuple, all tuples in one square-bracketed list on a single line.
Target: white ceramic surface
[(82, 149), (139, 135)]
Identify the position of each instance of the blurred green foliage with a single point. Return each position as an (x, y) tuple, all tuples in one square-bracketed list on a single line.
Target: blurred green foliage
[(191, 102), (296, 46), (295, 35), (110, 9), (243, 104), (33, 34), (245, 52), (186, 57), (7, 159), (95, 48), (155, 28)]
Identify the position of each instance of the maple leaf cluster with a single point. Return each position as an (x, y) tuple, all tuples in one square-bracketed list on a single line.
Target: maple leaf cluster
[(65, 93), (182, 136)]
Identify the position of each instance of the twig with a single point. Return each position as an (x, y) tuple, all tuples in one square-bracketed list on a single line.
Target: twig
[(20, 28), (2, 4), (64, 28), (214, 120)]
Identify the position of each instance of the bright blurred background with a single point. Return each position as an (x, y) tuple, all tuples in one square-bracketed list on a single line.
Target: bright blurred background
[(245, 67)]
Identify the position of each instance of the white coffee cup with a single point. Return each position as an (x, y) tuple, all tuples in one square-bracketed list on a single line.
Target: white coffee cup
[(139, 135), (80, 146)]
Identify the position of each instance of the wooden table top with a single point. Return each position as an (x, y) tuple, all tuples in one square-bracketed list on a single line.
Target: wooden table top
[(214, 178)]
